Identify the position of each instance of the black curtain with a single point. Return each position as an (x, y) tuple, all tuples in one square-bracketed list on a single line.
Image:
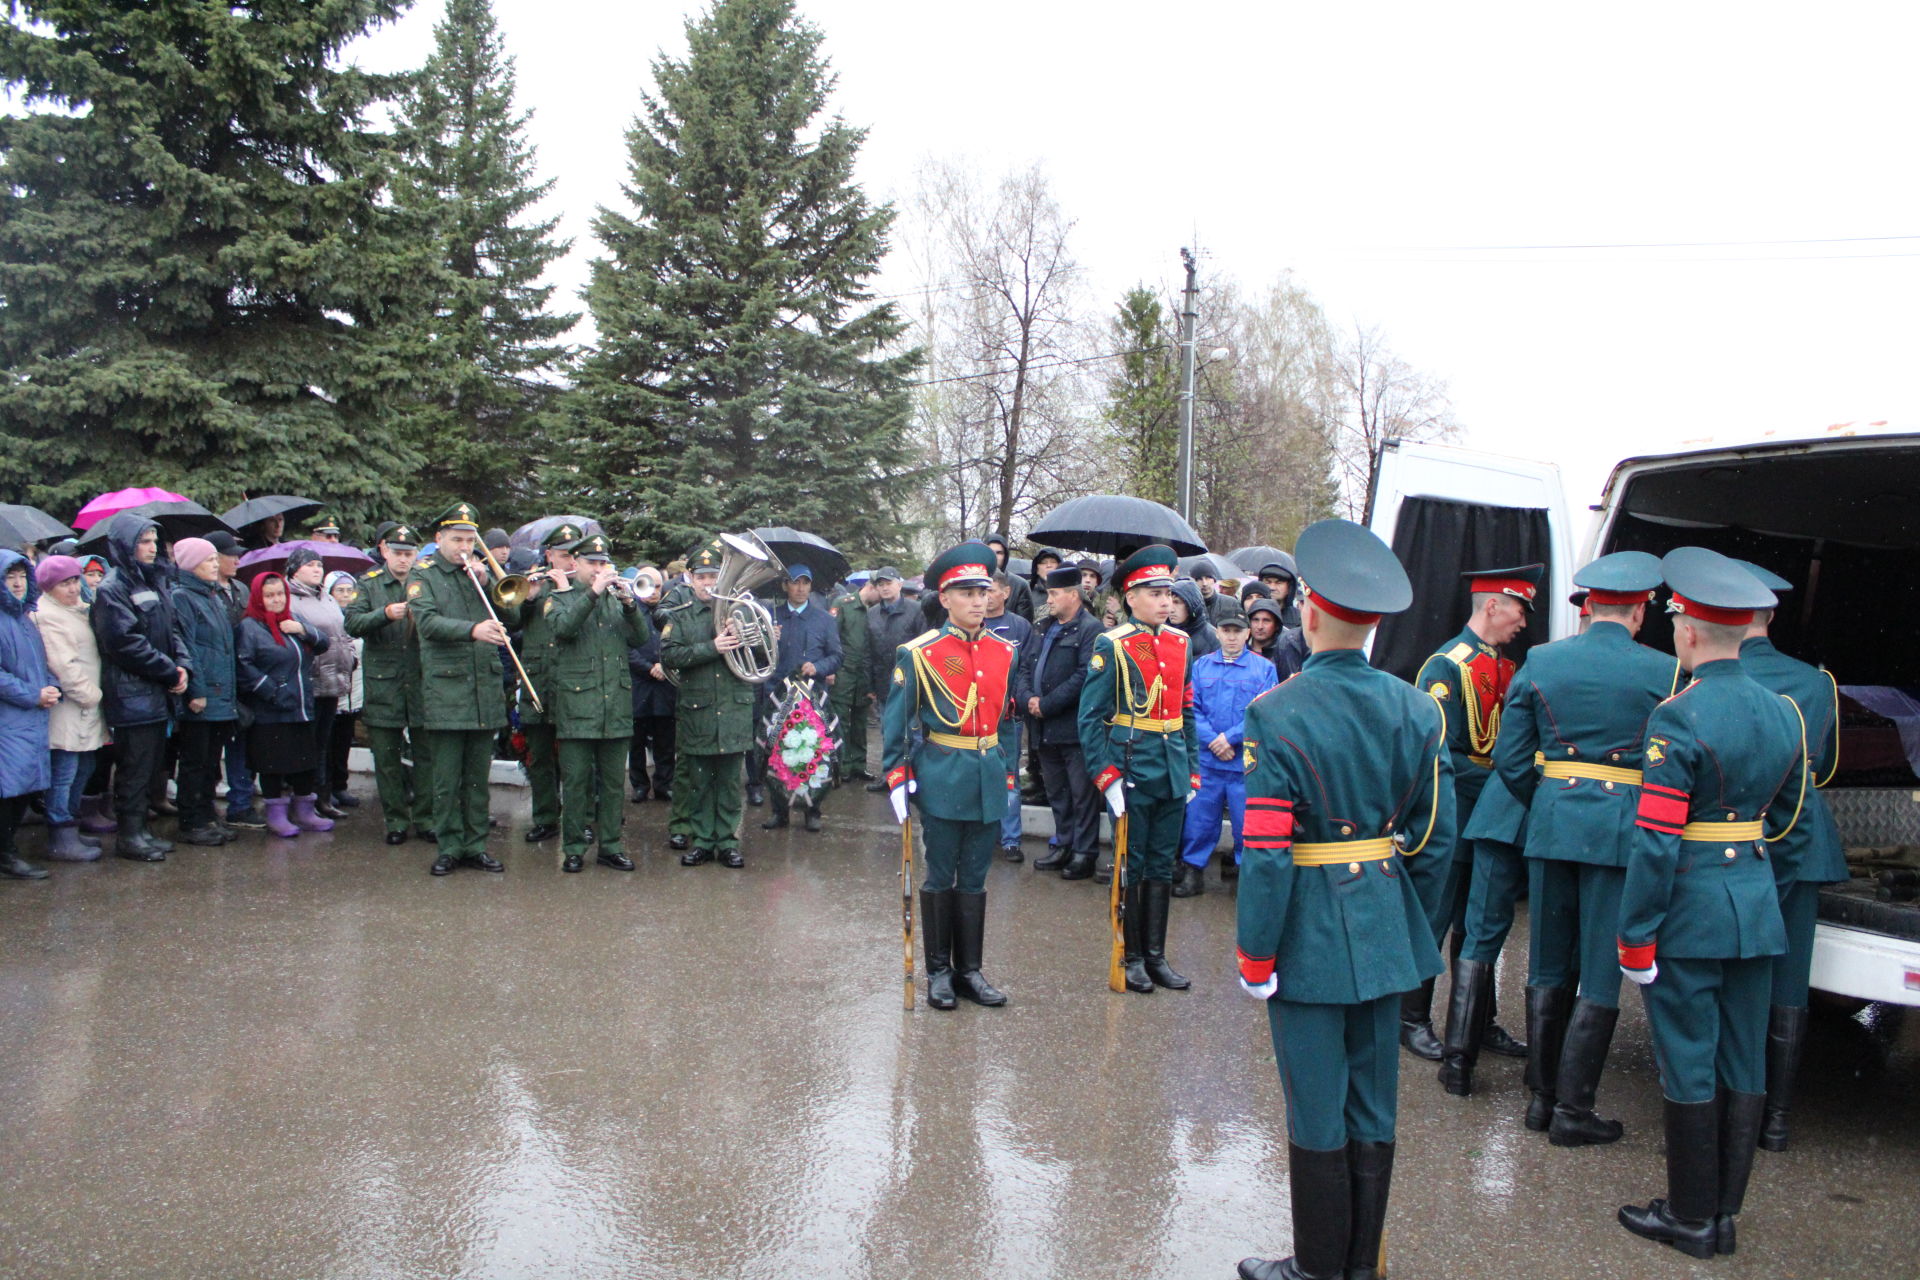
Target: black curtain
[(1437, 541)]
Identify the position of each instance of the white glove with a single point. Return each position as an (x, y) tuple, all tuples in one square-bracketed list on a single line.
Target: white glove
[(899, 797), (1264, 991), (1641, 977), (1117, 796), (1191, 794)]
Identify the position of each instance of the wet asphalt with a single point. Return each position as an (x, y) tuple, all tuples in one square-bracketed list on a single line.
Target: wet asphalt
[(310, 1059)]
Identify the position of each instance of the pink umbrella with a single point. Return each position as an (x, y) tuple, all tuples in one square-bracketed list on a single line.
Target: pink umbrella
[(108, 505)]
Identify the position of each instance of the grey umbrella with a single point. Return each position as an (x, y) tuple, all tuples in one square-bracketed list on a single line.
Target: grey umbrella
[(534, 532), (254, 510), (1218, 566), (1251, 558), (23, 524), (1116, 525)]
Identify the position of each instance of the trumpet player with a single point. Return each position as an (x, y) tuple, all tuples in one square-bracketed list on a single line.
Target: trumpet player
[(715, 719), (536, 652)]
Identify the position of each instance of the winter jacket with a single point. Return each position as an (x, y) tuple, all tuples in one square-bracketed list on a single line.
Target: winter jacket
[(650, 697), (1202, 640), (317, 612), (141, 651), (1058, 683), (276, 680), (24, 764), (888, 627), (202, 620), (77, 722)]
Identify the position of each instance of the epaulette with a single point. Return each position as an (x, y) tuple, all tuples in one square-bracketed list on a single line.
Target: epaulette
[(1460, 652), (372, 573), (1002, 639), (674, 608), (1124, 628), (925, 637)]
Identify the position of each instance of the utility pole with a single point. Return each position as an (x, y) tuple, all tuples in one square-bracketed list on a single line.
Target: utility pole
[(1189, 313)]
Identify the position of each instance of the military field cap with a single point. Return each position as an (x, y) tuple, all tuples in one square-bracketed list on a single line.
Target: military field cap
[(886, 573), (971, 564), (706, 557), (1148, 567), (595, 548), (1069, 576), (1578, 599), (1710, 587), (1522, 582), (324, 522), (1238, 619), (1347, 571), (460, 515), (795, 572), (401, 537), (1625, 577), (1767, 577), (561, 537), (224, 543)]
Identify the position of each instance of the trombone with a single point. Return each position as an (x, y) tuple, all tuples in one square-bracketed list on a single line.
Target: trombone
[(510, 590)]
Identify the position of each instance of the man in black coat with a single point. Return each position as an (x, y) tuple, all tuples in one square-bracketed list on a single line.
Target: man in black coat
[(1052, 669), (892, 620), (654, 699)]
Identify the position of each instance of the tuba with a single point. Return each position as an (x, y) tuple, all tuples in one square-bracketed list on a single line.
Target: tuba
[(747, 563)]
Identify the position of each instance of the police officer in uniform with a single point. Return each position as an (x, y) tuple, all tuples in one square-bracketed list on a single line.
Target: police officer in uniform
[(1350, 810), (1700, 925), (536, 655), (715, 719), (590, 691), (808, 650), (850, 699), (395, 710), (460, 644), (1469, 678), (1137, 733), (942, 753)]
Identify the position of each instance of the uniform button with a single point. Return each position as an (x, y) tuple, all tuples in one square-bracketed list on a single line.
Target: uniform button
[(1732, 853), (1346, 831), (1572, 751), (1732, 818), (1608, 785), (1614, 756), (1353, 868)]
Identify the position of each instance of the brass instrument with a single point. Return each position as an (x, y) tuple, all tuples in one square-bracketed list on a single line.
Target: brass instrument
[(487, 598), (509, 590), (748, 563)]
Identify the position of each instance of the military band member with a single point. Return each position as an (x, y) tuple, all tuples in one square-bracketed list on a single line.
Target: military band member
[(1136, 730), (590, 692), (1348, 792), (460, 642), (942, 754), (395, 711), (1469, 678), (715, 719), (1700, 923), (536, 655)]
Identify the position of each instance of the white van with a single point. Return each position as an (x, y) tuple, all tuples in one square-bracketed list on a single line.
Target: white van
[(1837, 515)]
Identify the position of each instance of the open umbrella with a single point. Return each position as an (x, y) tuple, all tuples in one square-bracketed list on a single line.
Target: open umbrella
[(177, 520), (334, 555), (254, 510), (1218, 566), (534, 532), (112, 504), (31, 523), (810, 549), (1116, 525), (1251, 558)]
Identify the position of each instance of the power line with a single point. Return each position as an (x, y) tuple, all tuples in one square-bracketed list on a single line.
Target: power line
[(1041, 364), (1652, 244)]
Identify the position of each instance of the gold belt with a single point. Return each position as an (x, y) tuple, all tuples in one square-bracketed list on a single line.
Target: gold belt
[(1327, 855), (1150, 725), (1593, 772), (959, 743), (1717, 832), (1485, 762)]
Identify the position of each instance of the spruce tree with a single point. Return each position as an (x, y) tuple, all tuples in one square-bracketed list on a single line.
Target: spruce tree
[(193, 254), (1143, 396), (489, 341), (743, 375)]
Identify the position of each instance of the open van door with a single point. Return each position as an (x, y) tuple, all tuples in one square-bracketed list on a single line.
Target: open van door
[(1446, 511)]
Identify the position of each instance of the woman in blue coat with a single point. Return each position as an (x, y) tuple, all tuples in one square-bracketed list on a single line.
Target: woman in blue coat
[(206, 720), (27, 690), (273, 658)]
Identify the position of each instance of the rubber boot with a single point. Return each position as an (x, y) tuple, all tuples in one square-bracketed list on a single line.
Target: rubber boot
[(277, 823), (1786, 1036), (1157, 896), (1416, 1023), (1370, 1177), (1133, 949), (15, 867), (1322, 1219), (95, 817), (64, 844), (1547, 1012), (306, 817), (1685, 1219), (969, 934), (936, 934), (1466, 1023), (1582, 1058), (1741, 1116)]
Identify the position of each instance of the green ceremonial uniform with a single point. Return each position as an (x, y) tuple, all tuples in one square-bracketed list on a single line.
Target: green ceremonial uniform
[(396, 711), (849, 700), (1136, 723), (713, 728), (1469, 679), (591, 697)]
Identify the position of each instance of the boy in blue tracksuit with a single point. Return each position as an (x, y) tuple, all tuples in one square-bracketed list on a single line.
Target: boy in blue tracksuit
[(1224, 683)]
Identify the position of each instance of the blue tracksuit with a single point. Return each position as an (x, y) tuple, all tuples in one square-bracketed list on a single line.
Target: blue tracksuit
[(1222, 690)]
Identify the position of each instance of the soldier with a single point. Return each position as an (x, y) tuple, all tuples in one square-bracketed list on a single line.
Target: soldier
[(395, 712), (1700, 923), (1136, 729), (851, 697), (809, 652), (715, 720), (1347, 783), (1469, 680), (460, 644), (1053, 671), (942, 749), (536, 654), (591, 693), (1813, 848), (324, 528), (1576, 715)]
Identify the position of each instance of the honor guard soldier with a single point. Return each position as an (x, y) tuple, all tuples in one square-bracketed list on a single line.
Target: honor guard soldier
[(395, 713), (1136, 731), (715, 719), (536, 654), (1348, 788), (1569, 749), (590, 691), (1813, 848), (942, 750), (1700, 926), (850, 699), (1469, 678), (460, 642)]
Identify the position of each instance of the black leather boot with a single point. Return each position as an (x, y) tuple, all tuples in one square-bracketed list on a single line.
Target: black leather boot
[(1741, 1116), (936, 939), (1582, 1058), (1496, 1038), (1133, 949), (1547, 1012), (1370, 1177), (1058, 856), (1685, 1219), (1322, 1219), (969, 934), (15, 867), (1189, 881), (1466, 1023), (1079, 867), (1156, 896), (1786, 1036), (1416, 1023)]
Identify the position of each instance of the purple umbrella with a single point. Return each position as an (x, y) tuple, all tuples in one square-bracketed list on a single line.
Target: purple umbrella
[(334, 555)]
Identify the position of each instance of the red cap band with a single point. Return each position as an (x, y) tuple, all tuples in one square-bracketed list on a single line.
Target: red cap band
[(964, 571), (1148, 575), (1341, 611), (1505, 586), (1617, 597), (1707, 613)]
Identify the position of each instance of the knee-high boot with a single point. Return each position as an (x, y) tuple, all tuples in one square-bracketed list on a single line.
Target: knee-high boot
[(1582, 1058), (1741, 1115), (936, 934), (1416, 1023), (969, 934), (1685, 1218), (1370, 1175), (1156, 896), (1547, 1011), (1322, 1219), (1133, 936), (1468, 1013), (1786, 1037)]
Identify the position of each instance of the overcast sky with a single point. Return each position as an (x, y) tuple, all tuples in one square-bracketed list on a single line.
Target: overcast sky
[(1401, 160)]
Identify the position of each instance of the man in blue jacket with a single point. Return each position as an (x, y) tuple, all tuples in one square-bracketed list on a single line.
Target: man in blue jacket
[(808, 651), (1052, 670), (1224, 683)]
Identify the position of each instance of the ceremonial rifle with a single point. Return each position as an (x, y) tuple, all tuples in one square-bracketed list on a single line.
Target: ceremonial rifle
[(906, 900), (1116, 896)]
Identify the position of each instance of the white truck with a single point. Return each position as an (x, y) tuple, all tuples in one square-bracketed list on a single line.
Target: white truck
[(1837, 514)]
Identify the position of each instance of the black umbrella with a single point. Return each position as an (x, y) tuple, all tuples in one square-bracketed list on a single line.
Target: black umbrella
[(29, 524), (794, 546), (1218, 566), (177, 520), (1116, 525), (1251, 558), (254, 510)]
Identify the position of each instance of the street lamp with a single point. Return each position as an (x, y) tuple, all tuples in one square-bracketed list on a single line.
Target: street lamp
[(1189, 314)]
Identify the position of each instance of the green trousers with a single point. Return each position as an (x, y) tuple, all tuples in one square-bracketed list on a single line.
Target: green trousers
[(1792, 972), (462, 759), (1498, 872), (958, 853), (852, 710), (1709, 1024), (543, 774), (707, 799), (592, 774), (403, 773), (1153, 836), (1340, 1067), (1573, 918)]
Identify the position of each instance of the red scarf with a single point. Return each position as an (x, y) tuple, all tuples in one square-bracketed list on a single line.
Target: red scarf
[(257, 607)]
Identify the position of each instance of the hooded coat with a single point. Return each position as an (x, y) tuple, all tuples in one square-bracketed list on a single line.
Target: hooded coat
[(1200, 633), (141, 649), (76, 722), (25, 766)]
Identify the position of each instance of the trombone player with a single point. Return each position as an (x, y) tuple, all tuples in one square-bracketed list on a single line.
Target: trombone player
[(715, 713), (537, 651)]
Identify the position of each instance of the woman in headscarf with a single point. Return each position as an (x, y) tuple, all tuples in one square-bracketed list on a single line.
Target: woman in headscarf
[(274, 653), (27, 691), (76, 729)]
